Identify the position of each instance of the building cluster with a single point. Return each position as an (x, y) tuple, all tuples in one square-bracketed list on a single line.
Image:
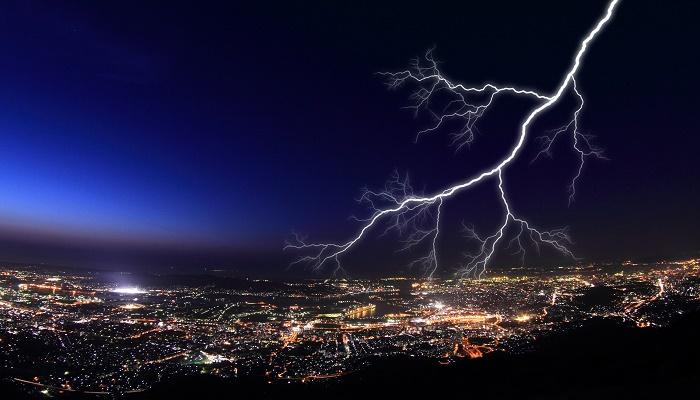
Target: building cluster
[(79, 331)]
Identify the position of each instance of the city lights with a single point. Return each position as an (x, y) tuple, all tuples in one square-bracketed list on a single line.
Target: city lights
[(311, 330), (128, 290)]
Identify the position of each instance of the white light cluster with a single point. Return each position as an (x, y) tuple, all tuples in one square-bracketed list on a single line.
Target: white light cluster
[(128, 290)]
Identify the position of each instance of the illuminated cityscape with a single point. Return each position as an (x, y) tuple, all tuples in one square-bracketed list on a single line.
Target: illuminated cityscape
[(349, 200), (63, 332)]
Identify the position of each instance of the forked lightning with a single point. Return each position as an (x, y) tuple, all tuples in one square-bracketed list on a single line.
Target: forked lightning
[(417, 217)]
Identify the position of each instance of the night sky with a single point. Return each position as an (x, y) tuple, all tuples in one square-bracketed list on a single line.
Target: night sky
[(156, 136)]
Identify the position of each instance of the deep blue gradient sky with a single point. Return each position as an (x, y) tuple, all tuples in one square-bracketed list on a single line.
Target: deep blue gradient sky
[(137, 136)]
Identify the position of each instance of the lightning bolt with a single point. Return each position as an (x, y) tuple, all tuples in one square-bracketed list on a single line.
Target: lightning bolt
[(417, 216)]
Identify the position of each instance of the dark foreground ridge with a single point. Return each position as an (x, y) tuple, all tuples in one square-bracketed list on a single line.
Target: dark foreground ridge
[(600, 359)]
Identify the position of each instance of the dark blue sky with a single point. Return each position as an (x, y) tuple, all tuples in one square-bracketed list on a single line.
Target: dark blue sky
[(140, 135)]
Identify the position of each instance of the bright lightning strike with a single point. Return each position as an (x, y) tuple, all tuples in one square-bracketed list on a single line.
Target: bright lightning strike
[(418, 216)]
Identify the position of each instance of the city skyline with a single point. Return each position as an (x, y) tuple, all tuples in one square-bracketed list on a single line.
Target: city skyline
[(340, 200), (121, 335)]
